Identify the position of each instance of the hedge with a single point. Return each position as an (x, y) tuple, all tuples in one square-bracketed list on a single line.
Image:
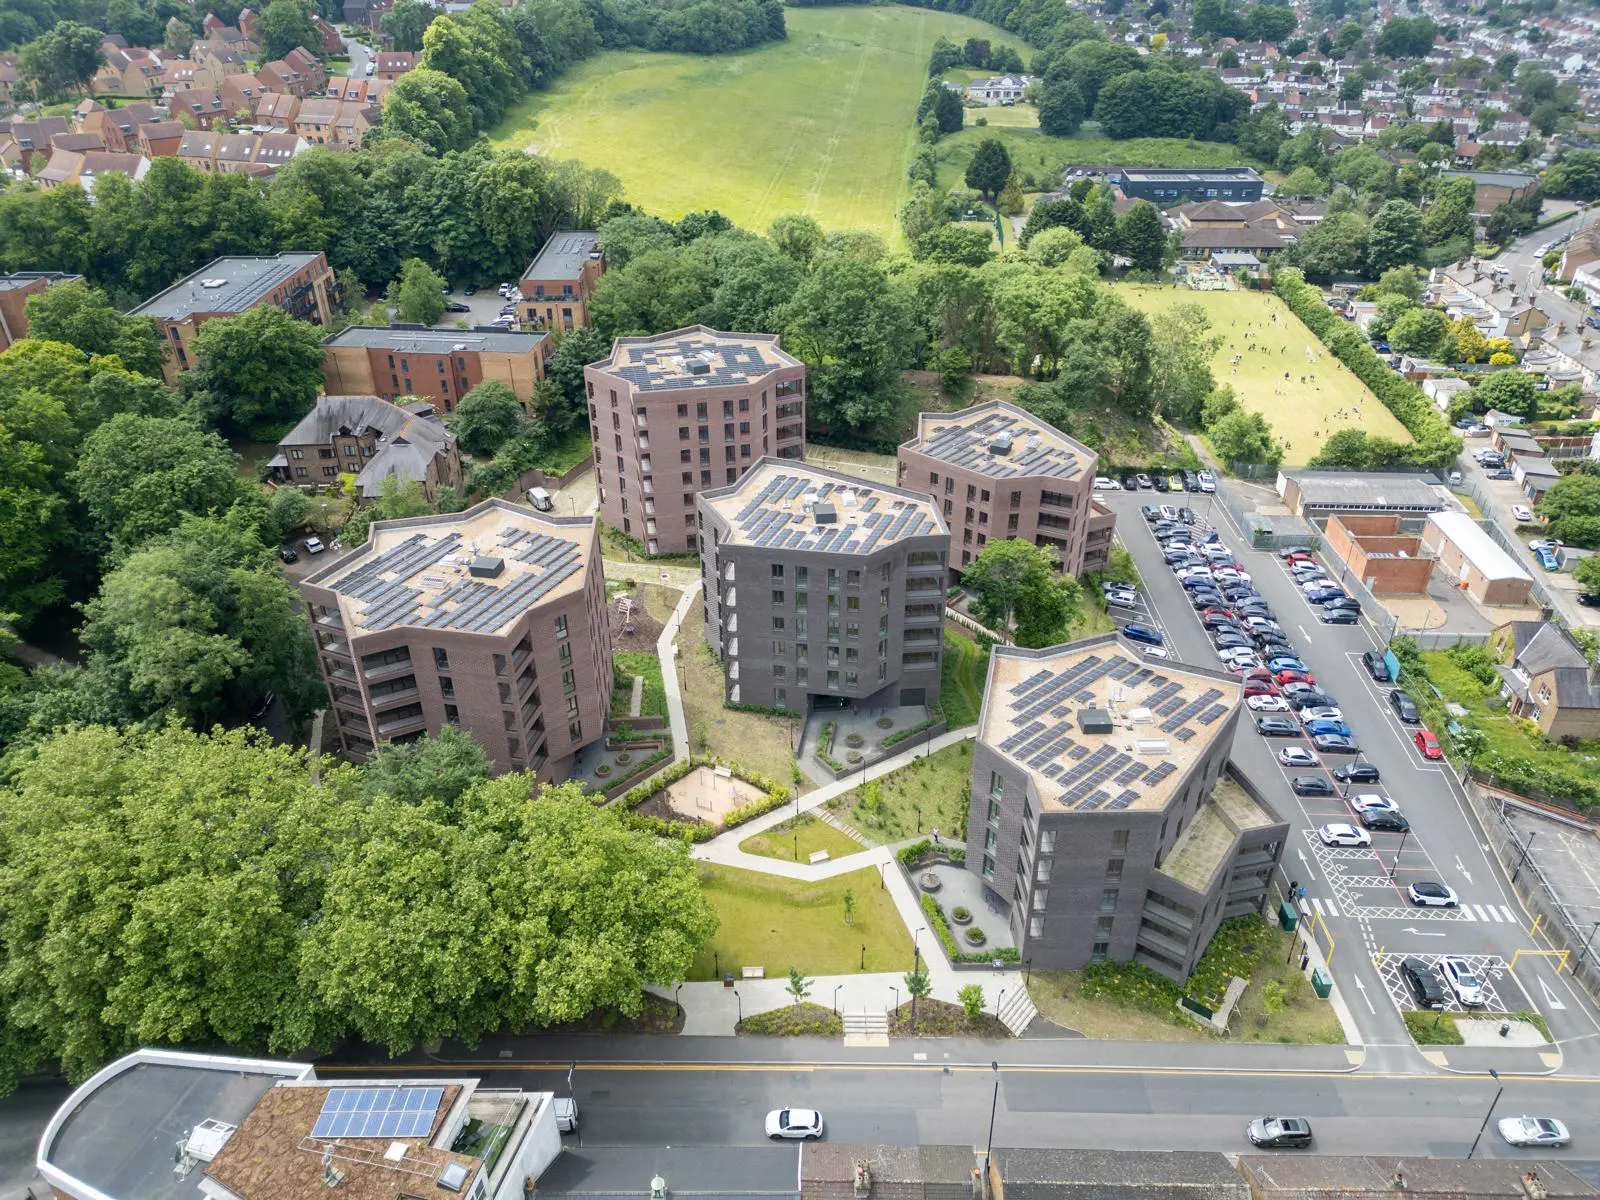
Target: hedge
[(911, 856), (825, 747), (776, 796), (900, 735), (935, 914), (1435, 445)]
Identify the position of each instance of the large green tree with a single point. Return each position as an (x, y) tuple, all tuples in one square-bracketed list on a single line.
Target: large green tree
[(283, 25), (61, 60), (1245, 437), (1142, 237), (1017, 585), (1061, 107), (418, 295), (1510, 391), (430, 108), (406, 22), (1422, 331), (83, 316), (139, 476), (853, 325), (990, 167), (262, 368), (487, 415)]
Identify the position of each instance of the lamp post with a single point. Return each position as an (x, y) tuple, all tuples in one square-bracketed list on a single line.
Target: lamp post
[(1527, 847), (918, 809), (1490, 1113), (836, 998), (988, 1149), (1393, 866), (997, 1000), (740, 1003), (896, 992), (863, 956), (1027, 970), (675, 992), (1589, 941)]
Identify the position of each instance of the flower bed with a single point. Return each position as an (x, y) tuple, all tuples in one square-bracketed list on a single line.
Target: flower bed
[(900, 735), (794, 1020), (825, 747), (921, 853), (932, 909)]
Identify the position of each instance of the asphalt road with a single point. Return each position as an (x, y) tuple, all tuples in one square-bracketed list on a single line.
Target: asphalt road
[(1357, 896)]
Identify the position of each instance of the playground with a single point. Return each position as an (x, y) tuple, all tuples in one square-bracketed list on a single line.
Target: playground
[(709, 794)]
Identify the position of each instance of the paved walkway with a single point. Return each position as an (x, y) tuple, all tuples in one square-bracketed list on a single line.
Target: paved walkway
[(667, 652)]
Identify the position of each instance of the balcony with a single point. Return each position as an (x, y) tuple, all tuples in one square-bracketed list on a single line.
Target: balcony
[(385, 670), (335, 645), (403, 721), (791, 433), (329, 620), (390, 699), (1058, 502), (923, 613), (924, 585), (1167, 916), (640, 421), (1163, 943), (342, 674), (785, 411)]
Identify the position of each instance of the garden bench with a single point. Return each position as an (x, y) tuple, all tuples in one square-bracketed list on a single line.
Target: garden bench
[(818, 856), (753, 972)]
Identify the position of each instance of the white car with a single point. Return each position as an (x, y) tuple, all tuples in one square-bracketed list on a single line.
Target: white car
[(1195, 573), (1522, 513), (1428, 893), (1320, 712), (1459, 977), (1156, 652), (1208, 482), (1305, 566), (1123, 599), (1102, 484), (1337, 833), (1297, 756), (371, 67), (1216, 550), (314, 545), (1267, 703), (1169, 512), (1231, 575), (1371, 801), (805, 1123), (1316, 584), (1534, 1131)]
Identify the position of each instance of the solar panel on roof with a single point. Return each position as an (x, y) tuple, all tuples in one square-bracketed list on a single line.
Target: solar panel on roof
[(392, 1112), (1183, 735), (1122, 801), (1160, 773), (1212, 713)]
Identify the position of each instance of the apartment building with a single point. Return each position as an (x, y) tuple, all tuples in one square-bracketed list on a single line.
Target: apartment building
[(14, 292), (299, 282), (172, 1125), (400, 362), (558, 283), (1101, 814), (493, 620), (706, 405), (821, 589), (370, 439), (999, 472)]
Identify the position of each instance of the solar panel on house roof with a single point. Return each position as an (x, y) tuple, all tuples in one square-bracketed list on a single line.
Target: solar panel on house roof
[(391, 1112), (1122, 801), (1160, 773), (1183, 735), (1212, 713)]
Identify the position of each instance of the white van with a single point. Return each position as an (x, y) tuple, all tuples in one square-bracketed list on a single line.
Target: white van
[(540, 499)]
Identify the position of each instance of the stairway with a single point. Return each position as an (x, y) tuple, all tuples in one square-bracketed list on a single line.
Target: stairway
[(866, 1028), (824, 812), (1016, 1010)]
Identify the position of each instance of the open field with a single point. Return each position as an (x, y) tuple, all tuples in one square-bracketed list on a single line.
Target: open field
[(1041, 156), (819, 124), (1301, 415)]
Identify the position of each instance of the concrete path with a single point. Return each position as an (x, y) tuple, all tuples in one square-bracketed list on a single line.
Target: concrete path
[(636, 699), (667, 652)]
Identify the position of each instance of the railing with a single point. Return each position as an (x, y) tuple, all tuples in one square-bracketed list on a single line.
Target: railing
[(385, 670)]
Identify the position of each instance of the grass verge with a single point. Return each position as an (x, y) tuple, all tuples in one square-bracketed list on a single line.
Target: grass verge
[(1432, 1028), (760, 743), (624, 667), (939, 1018), (963, 673), (806, 832)]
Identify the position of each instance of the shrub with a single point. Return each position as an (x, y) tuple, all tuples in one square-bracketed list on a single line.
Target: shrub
[(900, 735), (971, 997), (976, 936), (1432, 1029), (961, 913)]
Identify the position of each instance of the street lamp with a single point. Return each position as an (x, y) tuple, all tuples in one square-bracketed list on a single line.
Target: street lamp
[(896, 992), (1488, 1114), (1527, 848), (836, 998), (1589, 941), (740, 1003), (994, 1103), (997, 1000), (863, 956), (1393, 866)]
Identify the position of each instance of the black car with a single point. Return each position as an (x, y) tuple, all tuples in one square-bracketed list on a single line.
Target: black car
[(1311, 699), (1159, 482), (1500, 474), (1373, 661), (1191, 482), (1385, 820), (1424, 984), (288, 554), (1311, 785), (1349, 602), (1203, 600), (1186, 515), (457, 307), (1359, 771), (1130, 483), (1335, 743), (470, 290), (1277, 727), (1231, 641), (1589, 599), (1404, 707)]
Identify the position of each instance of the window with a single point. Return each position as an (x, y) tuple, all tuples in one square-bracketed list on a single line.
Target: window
[(447, 687), (1108, 900), (777, 597), (1042, 875), (561, 626), (994, 810), (777, 570), (988, 867), (1041, 897), (441, 659), (1119, 841), (452, 715), (802, 577), (990, 841), (575, 730), (1100, 951), (569, 683), (1114, 868), (777, 625), (1036, 927)]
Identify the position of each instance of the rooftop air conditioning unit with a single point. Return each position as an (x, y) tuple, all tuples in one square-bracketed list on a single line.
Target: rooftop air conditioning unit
[(486, 566), (213, 283), (1094, 720), (1000, 444), (1151, 745), (825, 513), (699, 366)]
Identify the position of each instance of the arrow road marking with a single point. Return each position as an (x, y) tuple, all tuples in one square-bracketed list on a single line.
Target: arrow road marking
[(1362, 988), (1306, 865), (1421, 932), (1463, 869), (1549, 996)]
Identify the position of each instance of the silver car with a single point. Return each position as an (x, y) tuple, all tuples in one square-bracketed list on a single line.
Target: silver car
[(1460, 979), (804, 1123), (1534, 1131)]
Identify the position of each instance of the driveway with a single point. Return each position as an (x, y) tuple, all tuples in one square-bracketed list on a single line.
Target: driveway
[(485, 307)]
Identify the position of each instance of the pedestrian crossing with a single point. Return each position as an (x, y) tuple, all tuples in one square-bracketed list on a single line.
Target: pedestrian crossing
[(1324, 908), (1498, 914), (1488, 912)]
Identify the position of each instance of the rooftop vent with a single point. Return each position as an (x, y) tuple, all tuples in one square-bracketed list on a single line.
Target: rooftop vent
[(1000, 444), (213, 283), (1094, 720), (699, 366), (824, 513), (1151, 745), (453, 1178), (486, 566), (206, 1139)]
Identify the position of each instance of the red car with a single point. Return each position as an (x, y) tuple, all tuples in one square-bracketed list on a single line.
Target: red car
[(1284, 677), (1294, 558), (1226, 613), (1259, 687), (1428, 744)]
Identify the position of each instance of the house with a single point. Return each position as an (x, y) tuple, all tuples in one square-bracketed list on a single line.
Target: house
[(199, 108), (177, 76), (309, 66), (406, 363), (1495, 188), (299, 73), (353, 91), (160, 140), (1582, 249), (279, 111), (1466, 154), (1549, 680), (22, 141), (328, 122), (368, 13), (998, 89), (130, 71), (120, 126), (14, 292), (83, 168), (559, 282), (239, 95), (81, 142), (369, 438), (214, 62), (394, 63)]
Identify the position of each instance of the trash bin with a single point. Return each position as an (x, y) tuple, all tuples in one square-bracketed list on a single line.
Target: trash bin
[(1321, 982), (1287, 916)]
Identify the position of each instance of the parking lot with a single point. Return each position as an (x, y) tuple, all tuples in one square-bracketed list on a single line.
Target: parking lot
[(1369, 883), (1498, 983)]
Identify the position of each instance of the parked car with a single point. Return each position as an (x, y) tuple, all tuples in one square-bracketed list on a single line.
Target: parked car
[(1372, 801), (1191, 482), (1359, 771), (456, 306), (288, 554), (1147, 634), (1550, 560), (1522, 513), (1332, 615), (1384, 820), (1292, 676), (1337, 833), (1159, 482), (1297, 756), (802, 1123), (1208, 482), (1335, 743), (1429, 893), (1288, 552), (313, 545), (1428, 744), (1321, 712), (1130, 483), (1311, 785), (1328, 729), (1461, 979), (1589, 599), (1404, 706), (1277, 727), (1122, 599), (1373, 661), (1349, 602), (1142, 479), (1103, 483), (1534, 1131), (1424, 984), (1267, 704), (1280, 1133), (1499, 473)]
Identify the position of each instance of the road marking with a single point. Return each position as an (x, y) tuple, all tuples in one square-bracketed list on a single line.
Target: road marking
[(1549, 996), (1510, 916), (1488, 910), (1421, 932), (1462, 868), (1466, 913), (1302, 630), (1305, 865), (1332, 911), (1317, 904), (1362, 988)]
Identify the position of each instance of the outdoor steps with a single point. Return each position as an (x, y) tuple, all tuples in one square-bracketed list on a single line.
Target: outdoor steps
[(848, 830), (1017, 1011), (866, 1028)]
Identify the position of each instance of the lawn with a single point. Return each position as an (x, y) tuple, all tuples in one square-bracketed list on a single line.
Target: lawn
[(963, 673), (820, 123), (928, 793), (779, 923), (1301, 415), (1042, 156), (808, 834), (653, 703)]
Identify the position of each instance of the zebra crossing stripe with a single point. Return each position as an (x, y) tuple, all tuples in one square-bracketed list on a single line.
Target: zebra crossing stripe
[(1467, 914), (1332, 911), (1489, 910), (1510, 916), (1317, 904)]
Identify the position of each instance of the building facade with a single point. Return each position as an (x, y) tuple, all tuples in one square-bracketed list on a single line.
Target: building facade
[(405, 362), (559, 282), (371, 439), (1101, 815), (822, 590), (1475, 562), (299, 282), (999, 472), (493, 620), (679, 412), (14, 292)]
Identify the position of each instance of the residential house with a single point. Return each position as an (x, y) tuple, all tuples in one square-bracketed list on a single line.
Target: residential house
[(309, 66), (394, 63), (371, 439), (331, 43), (131, 71), (251, 153), (352, 91), (247, 22), (177, 75), (278, 111), (239, 95), (120, 126), (14, 292), (200, 108), (560, 281), (1495, 188), (22, 142), (83, 168), (998, 89), (1259, 227), (80, 142), (230, 35), (198, 148), (411, 362), (1466, 154), (328, 122), (368, 13), (214, 62), (160, 140), (1549, 680), (1581, 250), (289, 74)]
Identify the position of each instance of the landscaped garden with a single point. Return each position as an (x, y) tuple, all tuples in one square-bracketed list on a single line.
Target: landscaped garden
[(624, 667), (699, 797), (963, 673), (776, 923), (805, 1019), (928, 793), (798, 838)]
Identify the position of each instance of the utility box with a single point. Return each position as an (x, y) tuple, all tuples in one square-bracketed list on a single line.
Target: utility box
[(1287, 916), (1321, 982)]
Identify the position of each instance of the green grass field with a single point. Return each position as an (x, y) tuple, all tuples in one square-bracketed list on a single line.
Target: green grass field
[(1301, 415), (820, 123), (1037, 154)]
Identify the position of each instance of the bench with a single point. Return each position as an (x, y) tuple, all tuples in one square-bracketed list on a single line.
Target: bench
[(818, 856), (753, 972)]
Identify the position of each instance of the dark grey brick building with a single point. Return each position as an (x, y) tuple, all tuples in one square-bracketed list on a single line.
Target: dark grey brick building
[(821, 589), (1101, 814)]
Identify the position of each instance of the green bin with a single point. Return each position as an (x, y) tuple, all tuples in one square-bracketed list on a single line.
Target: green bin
[(1321, 982), (1287, 916)]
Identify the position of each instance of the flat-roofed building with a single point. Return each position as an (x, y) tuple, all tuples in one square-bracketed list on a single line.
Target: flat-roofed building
[(1474, 561), (1317, 495), (1167, 186), (1101, 816), (821, 589), (404, 362), (14, 292), (682, 411), (493, 620), (999, 472), (559, 282), (299, 282)]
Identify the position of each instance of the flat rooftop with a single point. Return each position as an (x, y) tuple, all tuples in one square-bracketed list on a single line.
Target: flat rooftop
[(783, 504), (224, 285), (1002, 441), (695, 357), (418, 339), (563, 256), (1477, 547), (473, 572), (22, 279), (1353, 488), (1182, 175), (1163, 718), (1203, 847)]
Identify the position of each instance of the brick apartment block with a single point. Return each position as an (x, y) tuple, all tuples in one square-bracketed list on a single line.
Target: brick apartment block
[(821, 589), (400, 362), (14, 292), (557, 286), (682, 411), (493, 619), (999, 472)]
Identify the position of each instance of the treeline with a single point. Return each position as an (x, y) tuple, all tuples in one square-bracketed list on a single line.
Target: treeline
[(215, 890)]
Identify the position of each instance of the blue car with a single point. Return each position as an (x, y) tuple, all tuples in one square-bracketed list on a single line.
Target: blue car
[(1135, 632), (1285, 663), (1325, 595), (1323, 728), (1547, 559)]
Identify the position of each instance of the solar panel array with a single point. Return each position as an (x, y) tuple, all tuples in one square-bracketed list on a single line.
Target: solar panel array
[(391, 1112), (1032, 449), (860, 527), (656, 366), (385, 586)]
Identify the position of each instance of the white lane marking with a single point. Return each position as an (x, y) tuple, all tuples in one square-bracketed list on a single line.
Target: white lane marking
[(1488, 910), (1467, 914), (1362, 988), (1421, 932), (1510, 916), (1549, 996), (1460, 866), (1317, 904), (1332, 911), (1305, 864)]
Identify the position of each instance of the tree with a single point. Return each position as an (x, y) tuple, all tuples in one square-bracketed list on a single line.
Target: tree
[(854, 328), (406, 22), (430, 108), (261, 368), (1572, 508), (1575, 175), (797, 237), (487, 415), (1245, 437), (964, 245), (1017, 584), (1142, 237), (1061, 107), (1302, 182), (418, 295), (798, 986), (1406, 37), (1449, 217), (918, 985), (942, 106), (443, 767), (971, 997), (1054, 246), (849, 901), (82, 316), (990, 167), (1395, 239), (1511, 392), (1398, 281), (1336, 245), (139, 476), (1587, 574), (399, 498), (1180, 362), (61, 60), (1471, 346), (283, 25), (1422, 331), (925, 211)]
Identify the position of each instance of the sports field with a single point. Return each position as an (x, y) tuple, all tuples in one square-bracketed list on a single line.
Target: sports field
[(1302, 414), (819, 124)]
